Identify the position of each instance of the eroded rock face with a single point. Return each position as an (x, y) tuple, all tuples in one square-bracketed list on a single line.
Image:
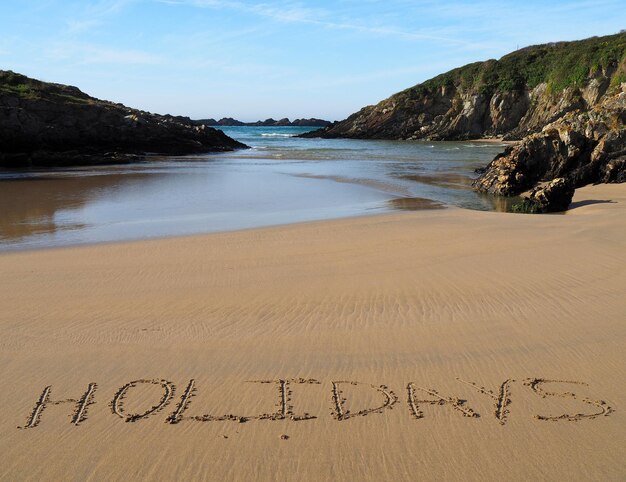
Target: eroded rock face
[(50, 124), (582, 147), (507, 109), (452, 114)]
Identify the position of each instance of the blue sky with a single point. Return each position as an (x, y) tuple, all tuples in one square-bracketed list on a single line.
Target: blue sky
[(274, 58)]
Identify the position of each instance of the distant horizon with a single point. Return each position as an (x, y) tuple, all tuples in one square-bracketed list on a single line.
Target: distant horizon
[(274, 59)]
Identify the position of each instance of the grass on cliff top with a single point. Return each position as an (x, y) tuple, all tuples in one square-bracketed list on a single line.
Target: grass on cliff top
[(27, 88), (559, 65)]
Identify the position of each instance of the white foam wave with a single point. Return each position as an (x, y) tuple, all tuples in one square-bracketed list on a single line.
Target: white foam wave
[(273, 134), (485, 145)]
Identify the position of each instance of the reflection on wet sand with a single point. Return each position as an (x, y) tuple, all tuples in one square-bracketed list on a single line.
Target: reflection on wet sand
[(445, 179), (452, 180), (31, 205), (499, 203), (413, 204), (372, 183)]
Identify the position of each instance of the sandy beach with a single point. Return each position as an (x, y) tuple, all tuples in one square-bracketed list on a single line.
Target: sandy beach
[(429, 345)]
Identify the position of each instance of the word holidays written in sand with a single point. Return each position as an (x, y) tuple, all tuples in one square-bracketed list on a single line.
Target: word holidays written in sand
[(417, 400)]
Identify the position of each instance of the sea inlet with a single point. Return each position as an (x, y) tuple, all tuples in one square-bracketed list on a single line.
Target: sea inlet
[(281, 179)]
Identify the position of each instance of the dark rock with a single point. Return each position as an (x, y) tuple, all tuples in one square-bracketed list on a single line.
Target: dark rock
[(555, 196), (313, 122), (208, 122), (285, 122), (614, 171), (229, 121), (43, 124)]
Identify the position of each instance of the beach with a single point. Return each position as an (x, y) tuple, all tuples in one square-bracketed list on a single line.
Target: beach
[(428, 345)]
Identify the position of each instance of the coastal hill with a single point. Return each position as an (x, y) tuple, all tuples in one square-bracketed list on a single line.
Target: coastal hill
[(565, 101), (285, 122), (45, 124), (511, 97)]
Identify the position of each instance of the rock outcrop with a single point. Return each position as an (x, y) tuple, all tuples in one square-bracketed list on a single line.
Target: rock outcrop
[(285, 122), (43, 124), (582, 147)]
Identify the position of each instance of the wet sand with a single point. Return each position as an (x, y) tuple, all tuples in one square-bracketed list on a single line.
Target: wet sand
[(427, 345)]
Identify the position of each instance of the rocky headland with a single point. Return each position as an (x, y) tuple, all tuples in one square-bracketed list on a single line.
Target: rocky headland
[(285, 122), (44, 124), (564, 102)]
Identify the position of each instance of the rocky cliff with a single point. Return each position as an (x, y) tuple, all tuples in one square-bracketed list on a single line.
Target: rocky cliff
[(511, 97), (582, 147), (43, 124)]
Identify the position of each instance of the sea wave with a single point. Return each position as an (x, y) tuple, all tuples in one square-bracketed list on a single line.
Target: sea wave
[(487, 145), (273, 134)]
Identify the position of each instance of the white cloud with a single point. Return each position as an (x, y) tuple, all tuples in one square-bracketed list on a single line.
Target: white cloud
[(94, 14), (354, 79), (291, 12), (77, 26), (105, 8)]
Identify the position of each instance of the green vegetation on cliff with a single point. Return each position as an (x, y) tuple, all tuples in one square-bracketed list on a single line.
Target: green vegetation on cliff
[(44, 124), (28, 88), (559, 65)]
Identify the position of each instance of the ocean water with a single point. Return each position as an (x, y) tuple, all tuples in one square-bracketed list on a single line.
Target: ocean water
[(281, 179)]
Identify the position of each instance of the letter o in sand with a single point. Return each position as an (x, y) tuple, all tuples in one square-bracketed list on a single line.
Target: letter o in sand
[(117, 404)]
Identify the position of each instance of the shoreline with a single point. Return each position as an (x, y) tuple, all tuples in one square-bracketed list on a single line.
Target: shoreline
[(346, 349), (183, 237), (395, 212)]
